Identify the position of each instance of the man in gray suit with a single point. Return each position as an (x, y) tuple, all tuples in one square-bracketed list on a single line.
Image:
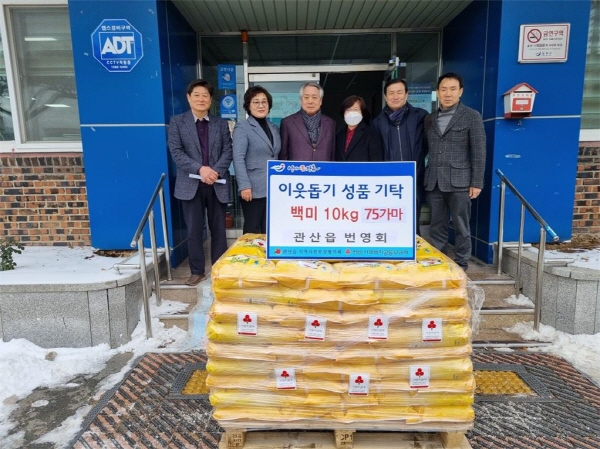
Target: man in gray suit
[(308, 135), (454, 176), (200, 145)]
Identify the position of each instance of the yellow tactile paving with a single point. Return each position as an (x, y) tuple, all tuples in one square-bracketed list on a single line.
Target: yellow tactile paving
[(500, 383), (196, 383)]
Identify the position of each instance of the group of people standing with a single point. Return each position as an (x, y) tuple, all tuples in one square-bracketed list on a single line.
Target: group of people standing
[(448, 147)]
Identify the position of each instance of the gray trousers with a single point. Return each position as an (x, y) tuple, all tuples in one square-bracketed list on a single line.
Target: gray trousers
[(458, 205)]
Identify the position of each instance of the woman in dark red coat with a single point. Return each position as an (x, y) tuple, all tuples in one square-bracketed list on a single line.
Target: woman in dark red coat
[(357, 142)]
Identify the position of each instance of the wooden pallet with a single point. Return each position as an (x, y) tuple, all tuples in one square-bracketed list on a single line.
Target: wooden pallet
[(341, 439)]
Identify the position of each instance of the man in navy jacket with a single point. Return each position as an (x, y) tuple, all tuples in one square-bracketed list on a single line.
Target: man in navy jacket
[(401, 127)]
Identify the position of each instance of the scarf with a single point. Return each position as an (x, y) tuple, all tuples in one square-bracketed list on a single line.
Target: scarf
[(396, 116), (313, 125)]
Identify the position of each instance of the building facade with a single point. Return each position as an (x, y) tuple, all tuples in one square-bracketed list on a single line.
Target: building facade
[(88, 88)]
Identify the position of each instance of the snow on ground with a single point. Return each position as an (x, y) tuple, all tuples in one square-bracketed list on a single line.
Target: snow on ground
[(523, 301), (24, 367), (53, 265), (581, 351), (589, 258)]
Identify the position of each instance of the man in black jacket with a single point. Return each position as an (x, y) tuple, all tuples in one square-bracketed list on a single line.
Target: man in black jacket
[(401, 127)]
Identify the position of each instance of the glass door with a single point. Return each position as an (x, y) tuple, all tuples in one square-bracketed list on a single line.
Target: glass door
[(285, 90)]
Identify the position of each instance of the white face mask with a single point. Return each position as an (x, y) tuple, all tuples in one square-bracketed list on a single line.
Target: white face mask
[(353, 118)]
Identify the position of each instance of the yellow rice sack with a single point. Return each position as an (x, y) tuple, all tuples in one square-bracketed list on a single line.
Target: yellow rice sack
[(296, 398), (248, 245), (409, 415), (243, 272), (294, 316), (430, 273), (341, 299), (365, 353), (448, 369), (337, 385), (399, 335), (306, 274)]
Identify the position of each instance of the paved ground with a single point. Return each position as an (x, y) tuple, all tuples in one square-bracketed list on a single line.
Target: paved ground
[(148, 409)]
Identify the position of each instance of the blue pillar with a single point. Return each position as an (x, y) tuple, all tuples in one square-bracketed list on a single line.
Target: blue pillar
[(125, 106), (538, 154)]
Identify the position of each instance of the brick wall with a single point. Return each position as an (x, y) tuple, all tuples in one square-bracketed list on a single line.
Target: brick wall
[(43, 199), (586, 213)]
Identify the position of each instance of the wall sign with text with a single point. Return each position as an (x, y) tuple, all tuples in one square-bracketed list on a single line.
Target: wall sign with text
[(341, 210), (544, 42)]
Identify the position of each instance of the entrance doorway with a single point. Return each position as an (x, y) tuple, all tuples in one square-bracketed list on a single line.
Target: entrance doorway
[(339, 82)]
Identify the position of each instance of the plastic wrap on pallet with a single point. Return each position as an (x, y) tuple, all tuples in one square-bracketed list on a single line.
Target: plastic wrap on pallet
[(409, 415), (226, 312), (345, 299), (339, 385), (431, 270), (456, 369), (220, 397), (408, 336), (333, 324), (365, 353)]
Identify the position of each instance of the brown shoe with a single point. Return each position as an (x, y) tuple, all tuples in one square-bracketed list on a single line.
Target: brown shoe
[(195, 279)]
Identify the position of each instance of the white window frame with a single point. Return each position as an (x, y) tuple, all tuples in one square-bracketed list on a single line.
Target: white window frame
[(17, 145)]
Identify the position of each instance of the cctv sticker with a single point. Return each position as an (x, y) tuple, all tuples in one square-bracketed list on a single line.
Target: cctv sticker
[(247, 323)]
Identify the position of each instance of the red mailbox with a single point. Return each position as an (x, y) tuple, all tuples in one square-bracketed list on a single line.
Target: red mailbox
[(518, 101)]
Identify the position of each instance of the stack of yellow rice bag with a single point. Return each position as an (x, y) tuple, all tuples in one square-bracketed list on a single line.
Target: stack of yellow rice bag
[(362, 345)]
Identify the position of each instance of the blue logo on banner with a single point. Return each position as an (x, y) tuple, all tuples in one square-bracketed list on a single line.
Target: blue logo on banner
[(229, 106), (226, 76), (117, 45)]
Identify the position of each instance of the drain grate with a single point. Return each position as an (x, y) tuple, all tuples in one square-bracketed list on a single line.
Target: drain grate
[(190, 382), (508, 383)]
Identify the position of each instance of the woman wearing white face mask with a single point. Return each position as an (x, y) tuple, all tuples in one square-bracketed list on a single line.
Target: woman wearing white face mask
[(357, 142)]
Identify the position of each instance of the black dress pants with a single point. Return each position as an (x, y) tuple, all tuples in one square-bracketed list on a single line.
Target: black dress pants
[(255, 215), (205, 204)]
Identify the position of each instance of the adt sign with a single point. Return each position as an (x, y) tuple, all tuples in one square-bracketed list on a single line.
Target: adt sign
[(117, 45)]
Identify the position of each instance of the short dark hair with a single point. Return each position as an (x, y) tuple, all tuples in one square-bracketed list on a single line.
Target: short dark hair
[(348, 102), (201, 83), (389, 82), (450, 75), (253, 92)]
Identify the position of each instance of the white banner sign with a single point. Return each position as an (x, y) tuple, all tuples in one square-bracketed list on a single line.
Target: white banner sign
[(341, 210)]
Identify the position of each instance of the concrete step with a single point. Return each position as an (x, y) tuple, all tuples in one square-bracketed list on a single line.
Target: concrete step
[(495, 335), (181, 320), (179, 292)]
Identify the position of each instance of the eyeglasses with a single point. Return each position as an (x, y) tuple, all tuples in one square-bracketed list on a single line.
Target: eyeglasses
[(260, 103), (353, 109)]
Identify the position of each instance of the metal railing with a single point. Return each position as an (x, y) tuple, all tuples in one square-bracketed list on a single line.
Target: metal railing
[(544, 230), (138, 240)]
